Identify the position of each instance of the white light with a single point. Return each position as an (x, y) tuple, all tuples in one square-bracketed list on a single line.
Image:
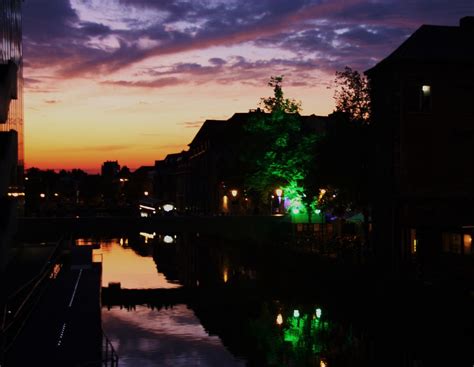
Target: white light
[(168, 207), (147, 235), (146, 207), (56, 194), (279, 319), (318, 313), (168, 239), (426, 89), (234, 193), (42, 195), (145, 193)]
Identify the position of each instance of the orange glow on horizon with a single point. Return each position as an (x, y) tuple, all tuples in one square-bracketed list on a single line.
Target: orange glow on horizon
[(84, 126)]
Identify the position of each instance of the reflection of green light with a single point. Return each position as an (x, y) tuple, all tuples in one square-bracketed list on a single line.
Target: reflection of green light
[(318, 313), (296, 313), (295, 211)]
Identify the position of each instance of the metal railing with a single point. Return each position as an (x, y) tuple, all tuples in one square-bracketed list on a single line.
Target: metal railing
[(109, 356)]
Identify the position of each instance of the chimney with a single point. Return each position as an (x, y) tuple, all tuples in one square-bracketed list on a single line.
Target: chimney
[(467, 23)]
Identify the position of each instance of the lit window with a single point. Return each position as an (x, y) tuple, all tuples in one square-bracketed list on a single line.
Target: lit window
[(467, 244), (425, 98), (413, 241)]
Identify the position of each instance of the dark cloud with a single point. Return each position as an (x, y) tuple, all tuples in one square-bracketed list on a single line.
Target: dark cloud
[(331, 33)]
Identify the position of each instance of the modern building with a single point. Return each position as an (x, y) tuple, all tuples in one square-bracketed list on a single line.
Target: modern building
[(11, 76), (11, 121), (423, 164)]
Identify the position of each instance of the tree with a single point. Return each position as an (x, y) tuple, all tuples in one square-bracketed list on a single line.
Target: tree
[(347, 143), (282, 151), (352, 95)]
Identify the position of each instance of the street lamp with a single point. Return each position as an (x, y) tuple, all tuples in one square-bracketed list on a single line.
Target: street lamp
[(279, 193), (234, 193)]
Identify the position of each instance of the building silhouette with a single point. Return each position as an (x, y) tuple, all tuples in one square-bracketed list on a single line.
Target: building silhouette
[(209, 178), (423, 163)]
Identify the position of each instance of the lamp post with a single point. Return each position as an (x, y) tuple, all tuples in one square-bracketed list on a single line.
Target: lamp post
[(279, 193)]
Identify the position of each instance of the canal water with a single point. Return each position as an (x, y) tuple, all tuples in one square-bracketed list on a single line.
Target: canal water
[(189, 300)]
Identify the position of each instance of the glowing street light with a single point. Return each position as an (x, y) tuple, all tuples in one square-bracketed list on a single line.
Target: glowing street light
[(296, 313), (234, 193), (279, 319), (279, 192), (145, 193), (321, 193), (42, 195), (318, 313)]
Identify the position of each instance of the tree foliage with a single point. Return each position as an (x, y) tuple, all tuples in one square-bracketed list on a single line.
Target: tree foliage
[(281, 149), (352, 95), (344, 153)]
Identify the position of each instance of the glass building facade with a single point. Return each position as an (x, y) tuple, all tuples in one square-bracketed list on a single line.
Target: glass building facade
[(11, 51)]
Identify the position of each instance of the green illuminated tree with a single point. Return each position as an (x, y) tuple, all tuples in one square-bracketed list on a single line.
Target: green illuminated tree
[(282, 150)]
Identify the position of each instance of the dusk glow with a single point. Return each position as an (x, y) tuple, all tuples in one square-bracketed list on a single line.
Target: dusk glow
[(133, 80)]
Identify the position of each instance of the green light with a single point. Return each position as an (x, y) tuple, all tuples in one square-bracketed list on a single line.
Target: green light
[(295, 211), (296, 313), (318, 313)]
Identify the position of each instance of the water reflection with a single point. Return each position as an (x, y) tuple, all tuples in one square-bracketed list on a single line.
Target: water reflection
[(244, 305), (168, 337), (129, 263)]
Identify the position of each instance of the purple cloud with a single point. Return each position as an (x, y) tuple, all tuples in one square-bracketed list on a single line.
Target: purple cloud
[(330, 34)]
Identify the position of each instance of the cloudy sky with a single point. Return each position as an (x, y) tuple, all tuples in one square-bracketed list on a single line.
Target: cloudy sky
[(132, 80)]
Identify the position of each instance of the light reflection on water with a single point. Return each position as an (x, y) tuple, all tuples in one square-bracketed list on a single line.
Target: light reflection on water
[(150, 337), (167, 337), (122, 264)]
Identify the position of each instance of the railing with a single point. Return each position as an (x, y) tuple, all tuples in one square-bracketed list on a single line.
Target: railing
[(20, 303), (109, 356)]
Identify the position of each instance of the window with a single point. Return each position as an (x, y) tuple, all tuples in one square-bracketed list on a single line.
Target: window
[(418, 98), (425, 98)]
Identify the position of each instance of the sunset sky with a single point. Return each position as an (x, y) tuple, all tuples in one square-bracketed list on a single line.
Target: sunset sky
[(133, 80)]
